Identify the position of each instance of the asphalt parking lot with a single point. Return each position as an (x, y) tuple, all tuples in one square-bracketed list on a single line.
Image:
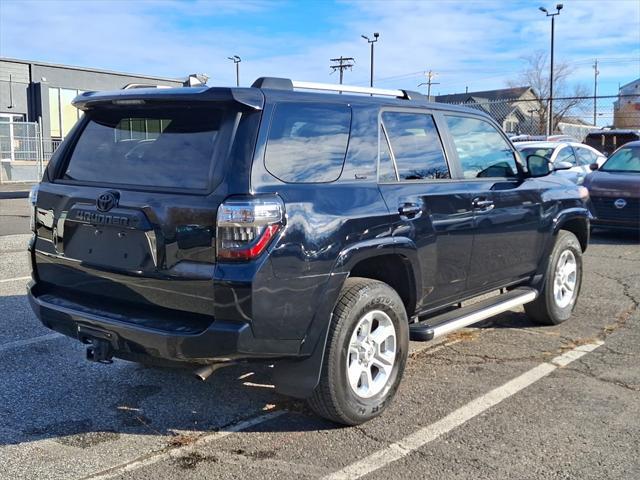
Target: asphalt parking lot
[(505, 400)]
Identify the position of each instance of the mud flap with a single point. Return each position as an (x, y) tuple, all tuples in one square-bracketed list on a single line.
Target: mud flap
[(299, 378)]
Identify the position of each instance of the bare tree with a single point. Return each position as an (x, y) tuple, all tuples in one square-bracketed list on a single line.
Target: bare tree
[(536, 75)]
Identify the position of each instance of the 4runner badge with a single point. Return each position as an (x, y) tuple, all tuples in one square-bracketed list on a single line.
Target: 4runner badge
[(107, 201)]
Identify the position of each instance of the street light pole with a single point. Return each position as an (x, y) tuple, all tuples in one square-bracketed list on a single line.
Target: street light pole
[(553, 17), (595, 91), (371, 42), (236, 60)]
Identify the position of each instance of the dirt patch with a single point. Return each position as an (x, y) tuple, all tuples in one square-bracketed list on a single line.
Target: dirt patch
[(462, 336), (193, 459), (182, 440)]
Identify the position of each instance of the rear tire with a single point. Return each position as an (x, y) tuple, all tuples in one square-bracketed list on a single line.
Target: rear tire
[(563, 280), (369, 332)]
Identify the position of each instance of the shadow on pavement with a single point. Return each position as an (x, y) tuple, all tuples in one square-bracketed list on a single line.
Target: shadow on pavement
[(49, 391)]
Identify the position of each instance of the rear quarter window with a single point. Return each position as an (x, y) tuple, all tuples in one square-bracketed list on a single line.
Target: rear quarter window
[(307, 143)]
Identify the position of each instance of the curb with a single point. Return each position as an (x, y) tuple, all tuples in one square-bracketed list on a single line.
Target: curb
[(13, 195)]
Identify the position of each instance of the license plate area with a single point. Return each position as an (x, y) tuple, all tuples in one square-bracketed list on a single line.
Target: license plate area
[(109, 246)]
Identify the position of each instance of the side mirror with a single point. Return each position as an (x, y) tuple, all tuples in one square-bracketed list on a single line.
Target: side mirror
[(538, 166), (594, 166), (562, 166)]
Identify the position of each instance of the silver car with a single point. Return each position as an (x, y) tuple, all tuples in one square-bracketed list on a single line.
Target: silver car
[(571, 159)]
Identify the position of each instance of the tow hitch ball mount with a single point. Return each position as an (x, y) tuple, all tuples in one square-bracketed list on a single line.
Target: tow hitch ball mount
[(100, 348)]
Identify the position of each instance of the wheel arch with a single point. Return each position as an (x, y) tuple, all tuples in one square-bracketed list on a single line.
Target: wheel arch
[(299, 377), (575, 221)]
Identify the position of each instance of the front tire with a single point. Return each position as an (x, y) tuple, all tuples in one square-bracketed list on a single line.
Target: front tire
[(365, 355), (563, 280)]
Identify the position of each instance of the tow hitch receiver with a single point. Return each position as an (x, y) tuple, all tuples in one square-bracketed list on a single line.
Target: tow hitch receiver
[(99, 351), (100, 347)]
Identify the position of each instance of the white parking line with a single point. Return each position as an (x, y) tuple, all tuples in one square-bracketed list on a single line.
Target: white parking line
[(175, 452), (418, 439), (14, 279), (29, 341)]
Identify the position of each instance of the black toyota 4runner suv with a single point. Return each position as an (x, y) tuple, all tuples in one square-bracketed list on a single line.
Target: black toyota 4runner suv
[(317, 231)]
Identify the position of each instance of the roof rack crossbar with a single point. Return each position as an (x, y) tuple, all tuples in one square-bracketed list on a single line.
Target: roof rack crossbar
[(348, 89)]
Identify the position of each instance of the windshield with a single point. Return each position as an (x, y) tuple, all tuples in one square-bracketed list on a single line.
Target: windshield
[(168, 147), (541, 152), (627, 159)]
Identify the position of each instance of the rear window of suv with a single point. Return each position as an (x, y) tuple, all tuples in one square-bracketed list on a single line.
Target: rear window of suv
[(308, 142), (151, 147)]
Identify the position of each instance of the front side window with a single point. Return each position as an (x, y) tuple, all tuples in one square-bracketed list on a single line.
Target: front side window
[(566, 155), (308, 142), (482, 151), (415, 146), (386, 169), (585, 156)]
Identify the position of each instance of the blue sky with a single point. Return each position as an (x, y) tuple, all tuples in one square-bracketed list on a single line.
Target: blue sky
[(479, 44)]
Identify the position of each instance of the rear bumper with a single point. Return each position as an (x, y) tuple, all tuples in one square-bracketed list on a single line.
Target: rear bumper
[(220, 341)]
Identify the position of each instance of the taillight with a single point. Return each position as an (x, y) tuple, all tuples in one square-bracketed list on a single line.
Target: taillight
[(246, 226)]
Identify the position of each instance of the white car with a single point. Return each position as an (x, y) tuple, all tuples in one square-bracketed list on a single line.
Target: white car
[(578, 155)]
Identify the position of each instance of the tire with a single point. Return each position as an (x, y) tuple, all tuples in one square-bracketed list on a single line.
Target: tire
[(346, 394), (552, 307)]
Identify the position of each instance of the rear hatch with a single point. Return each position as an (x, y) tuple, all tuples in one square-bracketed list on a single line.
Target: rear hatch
[(125, 226)]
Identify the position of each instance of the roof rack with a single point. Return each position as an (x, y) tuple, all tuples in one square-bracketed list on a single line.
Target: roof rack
[(347, 88), (131, 86), (286, 84)]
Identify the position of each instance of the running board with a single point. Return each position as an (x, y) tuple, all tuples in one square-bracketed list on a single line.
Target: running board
[(448, 322)]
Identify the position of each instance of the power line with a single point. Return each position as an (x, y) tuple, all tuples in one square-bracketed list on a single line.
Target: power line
[(343, 64)]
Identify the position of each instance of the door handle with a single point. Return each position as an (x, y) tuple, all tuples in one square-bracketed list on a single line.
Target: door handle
[(482, 204), (410, 210)]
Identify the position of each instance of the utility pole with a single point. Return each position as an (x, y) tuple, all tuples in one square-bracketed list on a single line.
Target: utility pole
[(236, 61), (429, 75), (343, 64), (371, 42), (596, 72)]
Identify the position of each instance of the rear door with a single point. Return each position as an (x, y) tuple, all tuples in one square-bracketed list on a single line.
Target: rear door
[(128, 217), (507, 209), (432, 209)]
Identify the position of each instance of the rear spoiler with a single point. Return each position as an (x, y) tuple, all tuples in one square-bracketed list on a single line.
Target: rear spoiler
[(249, 97)]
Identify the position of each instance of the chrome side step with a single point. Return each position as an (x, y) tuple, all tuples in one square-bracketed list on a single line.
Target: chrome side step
[(448, 322)]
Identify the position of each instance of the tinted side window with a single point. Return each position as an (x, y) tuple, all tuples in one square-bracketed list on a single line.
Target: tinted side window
[(566, 155), (307, 143), (386, 170), (416, 146), (482, 151)]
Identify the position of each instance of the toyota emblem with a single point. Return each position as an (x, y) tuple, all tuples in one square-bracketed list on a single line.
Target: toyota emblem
[(620, 203), (107, 201)]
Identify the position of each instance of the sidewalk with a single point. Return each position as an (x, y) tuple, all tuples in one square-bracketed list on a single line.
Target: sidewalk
[(15, 190)]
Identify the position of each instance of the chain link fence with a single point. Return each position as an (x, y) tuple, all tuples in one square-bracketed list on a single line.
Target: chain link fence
[(24, 154), (573, 116)]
